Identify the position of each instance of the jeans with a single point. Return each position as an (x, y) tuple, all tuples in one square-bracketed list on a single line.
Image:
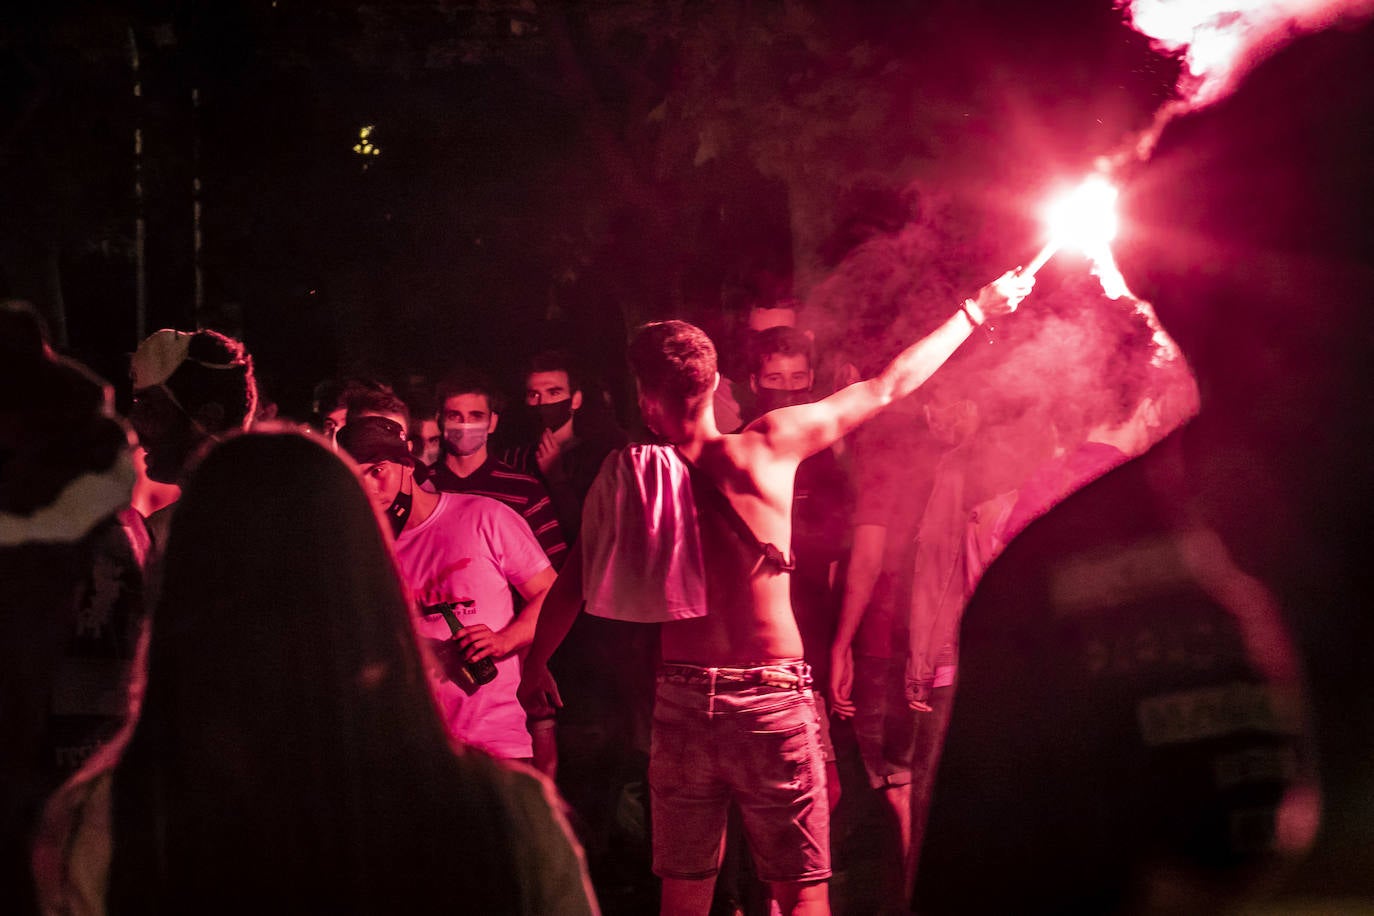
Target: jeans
[(747, 735)]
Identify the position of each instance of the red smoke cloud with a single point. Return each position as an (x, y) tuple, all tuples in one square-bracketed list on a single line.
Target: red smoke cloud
[(1220, 40)]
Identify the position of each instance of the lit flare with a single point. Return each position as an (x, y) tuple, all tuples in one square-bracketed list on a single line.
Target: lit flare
[(1083, 219)]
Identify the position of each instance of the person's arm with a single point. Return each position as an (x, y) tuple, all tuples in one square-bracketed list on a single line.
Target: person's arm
[(534, 591), (560, 608), (801, 431), (865, 563), (538, 692), (478, 641)]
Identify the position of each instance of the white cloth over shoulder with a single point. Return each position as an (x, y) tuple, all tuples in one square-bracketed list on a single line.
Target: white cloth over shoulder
[(641, 548)]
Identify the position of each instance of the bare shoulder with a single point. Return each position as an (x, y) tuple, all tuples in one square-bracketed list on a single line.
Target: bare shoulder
[(767, 438), (746, 464), (728, 461), (801, 430), (771, 439)]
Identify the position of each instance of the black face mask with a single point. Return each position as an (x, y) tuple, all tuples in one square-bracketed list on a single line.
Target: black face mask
[(553, 416), (772, 398), (398, 512), (653, 437)]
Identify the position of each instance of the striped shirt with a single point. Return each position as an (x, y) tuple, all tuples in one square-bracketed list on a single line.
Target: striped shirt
[(577, 468), (522, 492)]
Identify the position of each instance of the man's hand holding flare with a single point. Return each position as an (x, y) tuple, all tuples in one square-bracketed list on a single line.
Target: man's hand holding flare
[(998, 298)]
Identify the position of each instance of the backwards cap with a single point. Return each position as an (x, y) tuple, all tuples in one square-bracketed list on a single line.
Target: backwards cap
[(159, 357)]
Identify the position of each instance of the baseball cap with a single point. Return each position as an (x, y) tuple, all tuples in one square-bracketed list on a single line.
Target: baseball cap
[(368, 440)]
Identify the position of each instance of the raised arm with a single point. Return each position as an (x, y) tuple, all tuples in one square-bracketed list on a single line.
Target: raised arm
[(801, 431)]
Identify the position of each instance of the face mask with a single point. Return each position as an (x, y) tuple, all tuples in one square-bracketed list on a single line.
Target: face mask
[(398, 512), (653, 436), (466, 438), (553, 416), (773, 398)]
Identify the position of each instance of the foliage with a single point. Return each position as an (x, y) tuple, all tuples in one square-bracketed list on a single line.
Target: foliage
[(548, 168)]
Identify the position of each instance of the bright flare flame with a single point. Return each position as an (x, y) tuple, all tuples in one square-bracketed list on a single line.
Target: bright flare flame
[(1084, 218), (1108, 274)]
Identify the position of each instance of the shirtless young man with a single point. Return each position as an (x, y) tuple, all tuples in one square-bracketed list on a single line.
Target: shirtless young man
[(733, 718)]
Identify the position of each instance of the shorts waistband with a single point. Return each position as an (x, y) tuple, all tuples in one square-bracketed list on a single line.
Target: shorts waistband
[(786, 676)]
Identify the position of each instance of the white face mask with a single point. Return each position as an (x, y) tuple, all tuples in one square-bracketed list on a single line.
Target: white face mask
[(466, 438)]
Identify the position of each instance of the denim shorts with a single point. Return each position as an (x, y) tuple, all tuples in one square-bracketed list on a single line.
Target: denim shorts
[(747, 735)]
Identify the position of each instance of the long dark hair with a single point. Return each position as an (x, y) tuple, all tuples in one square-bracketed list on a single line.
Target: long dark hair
[(288, 754)]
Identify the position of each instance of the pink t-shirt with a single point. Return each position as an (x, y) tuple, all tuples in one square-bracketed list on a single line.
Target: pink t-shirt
[(472, 547)]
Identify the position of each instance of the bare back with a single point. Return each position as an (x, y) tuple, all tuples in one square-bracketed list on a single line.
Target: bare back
[(750, 620)]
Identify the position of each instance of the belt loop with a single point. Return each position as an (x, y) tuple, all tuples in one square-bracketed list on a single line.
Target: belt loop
[(711, 692)]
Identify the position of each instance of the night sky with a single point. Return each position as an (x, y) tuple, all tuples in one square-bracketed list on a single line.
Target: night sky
[(548, 173)]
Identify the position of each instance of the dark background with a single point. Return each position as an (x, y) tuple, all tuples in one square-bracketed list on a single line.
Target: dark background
[(549, 172)]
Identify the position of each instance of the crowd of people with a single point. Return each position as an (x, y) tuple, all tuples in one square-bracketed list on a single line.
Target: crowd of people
[(479, 528), (387, 657)]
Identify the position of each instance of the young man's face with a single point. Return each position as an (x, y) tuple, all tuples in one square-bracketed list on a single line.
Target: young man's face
[(426, 442), (784, 372), (383, 480), (467, 408), (550, 388), (165, 432), (333, 422)]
